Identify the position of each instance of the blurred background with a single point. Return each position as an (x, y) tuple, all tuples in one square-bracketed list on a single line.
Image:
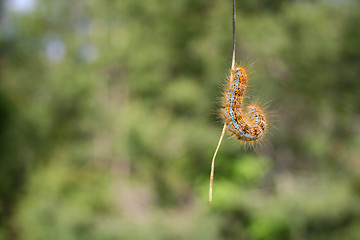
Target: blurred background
[(109, 120)]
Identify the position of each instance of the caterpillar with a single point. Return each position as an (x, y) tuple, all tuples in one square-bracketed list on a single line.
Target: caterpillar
[(247, 127), (250, 127)]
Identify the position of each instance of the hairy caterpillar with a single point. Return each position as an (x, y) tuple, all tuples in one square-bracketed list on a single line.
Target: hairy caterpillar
[(248, 127)]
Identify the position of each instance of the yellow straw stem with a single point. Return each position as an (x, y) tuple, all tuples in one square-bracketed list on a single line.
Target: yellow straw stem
[(213, 164)]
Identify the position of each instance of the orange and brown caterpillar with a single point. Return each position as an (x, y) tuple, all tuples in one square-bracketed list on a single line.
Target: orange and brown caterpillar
[(248, 127)]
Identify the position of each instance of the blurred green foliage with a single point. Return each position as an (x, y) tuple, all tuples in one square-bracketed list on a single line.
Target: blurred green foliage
[(109, 119)]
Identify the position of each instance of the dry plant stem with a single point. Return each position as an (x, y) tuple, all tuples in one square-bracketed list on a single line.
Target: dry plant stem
[(224, 128), (234, 31), (213, 163)]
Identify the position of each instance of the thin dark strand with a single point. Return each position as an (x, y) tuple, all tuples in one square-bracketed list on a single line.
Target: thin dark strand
[(224, 128), (234, 34)]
